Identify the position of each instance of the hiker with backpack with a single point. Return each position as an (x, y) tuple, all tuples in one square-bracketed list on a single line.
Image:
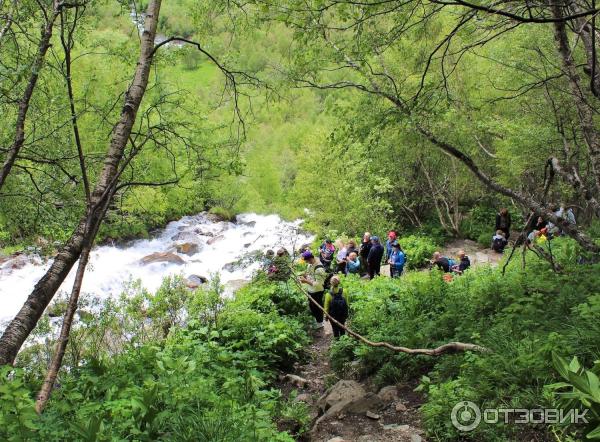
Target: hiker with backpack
[(313, 281), (499, 242), (336, 305), (396, 260), (326, 252), (503, 222), (374, 258)]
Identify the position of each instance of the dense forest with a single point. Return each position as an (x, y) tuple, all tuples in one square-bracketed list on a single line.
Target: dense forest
[(425, 117)]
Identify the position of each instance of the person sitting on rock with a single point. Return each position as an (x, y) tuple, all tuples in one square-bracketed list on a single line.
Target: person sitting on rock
[(336, 305), (463, 263), (353, 264), (499, 242)]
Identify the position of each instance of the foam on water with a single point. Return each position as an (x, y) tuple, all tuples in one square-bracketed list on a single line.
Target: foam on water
[(111, 267)]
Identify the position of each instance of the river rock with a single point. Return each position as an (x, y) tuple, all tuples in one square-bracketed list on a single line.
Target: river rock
[(187, 248), (185, 236), (194, 281), (231, 266), (214, 239), (388, 394), (162, 257), (249, 223)]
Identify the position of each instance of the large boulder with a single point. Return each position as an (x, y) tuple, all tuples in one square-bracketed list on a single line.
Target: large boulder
[(348, 397), (342, 391), (162, 257), (187, 248), (194, 281)]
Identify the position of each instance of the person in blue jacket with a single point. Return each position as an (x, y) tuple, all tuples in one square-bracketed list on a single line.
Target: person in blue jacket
[(397, 260)]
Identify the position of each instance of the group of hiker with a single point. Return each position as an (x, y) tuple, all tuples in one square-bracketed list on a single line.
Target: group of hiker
[(538, 230), (321, 280)]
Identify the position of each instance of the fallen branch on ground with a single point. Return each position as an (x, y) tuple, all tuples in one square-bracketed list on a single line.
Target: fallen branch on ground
[(450, 347)]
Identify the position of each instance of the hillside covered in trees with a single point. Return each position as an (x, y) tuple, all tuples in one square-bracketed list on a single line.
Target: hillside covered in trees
[(422, 117)]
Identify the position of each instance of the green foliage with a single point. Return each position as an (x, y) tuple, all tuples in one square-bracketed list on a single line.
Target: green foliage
[(418, 250), (174, 365), (522, 317), (579, 390)]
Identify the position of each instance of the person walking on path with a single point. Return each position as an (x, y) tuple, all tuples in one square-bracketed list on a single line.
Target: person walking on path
[(503, 222), (312, 281), (374, 258), (396, 260), (336, 305)]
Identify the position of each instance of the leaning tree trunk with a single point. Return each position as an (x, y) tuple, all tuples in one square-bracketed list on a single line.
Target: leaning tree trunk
[(63, 339), (21, 326)]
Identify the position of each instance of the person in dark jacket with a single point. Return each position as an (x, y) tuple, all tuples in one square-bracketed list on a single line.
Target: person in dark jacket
[(463, 262), (374, 258), (441, 262), (365, 248), (503, 222)]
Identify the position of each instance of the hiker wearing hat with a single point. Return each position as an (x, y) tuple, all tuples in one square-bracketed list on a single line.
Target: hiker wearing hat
[(396, 260), (312, 281), (388, 244), (374, 258), (326, 252)]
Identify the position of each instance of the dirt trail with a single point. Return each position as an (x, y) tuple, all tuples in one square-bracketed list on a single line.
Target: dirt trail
[(477, 254), (398, 421)]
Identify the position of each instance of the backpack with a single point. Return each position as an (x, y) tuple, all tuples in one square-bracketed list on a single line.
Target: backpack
[(338, 308), (498, 244), (327, 282)]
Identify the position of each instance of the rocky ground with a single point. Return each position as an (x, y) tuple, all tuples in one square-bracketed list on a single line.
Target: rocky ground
[(476, 253), (349, 410)]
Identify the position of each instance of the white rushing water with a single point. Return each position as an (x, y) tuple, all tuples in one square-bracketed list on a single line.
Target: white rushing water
[(110, 267)]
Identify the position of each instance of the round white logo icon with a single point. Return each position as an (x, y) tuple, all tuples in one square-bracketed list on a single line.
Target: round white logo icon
[(466, 416)]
